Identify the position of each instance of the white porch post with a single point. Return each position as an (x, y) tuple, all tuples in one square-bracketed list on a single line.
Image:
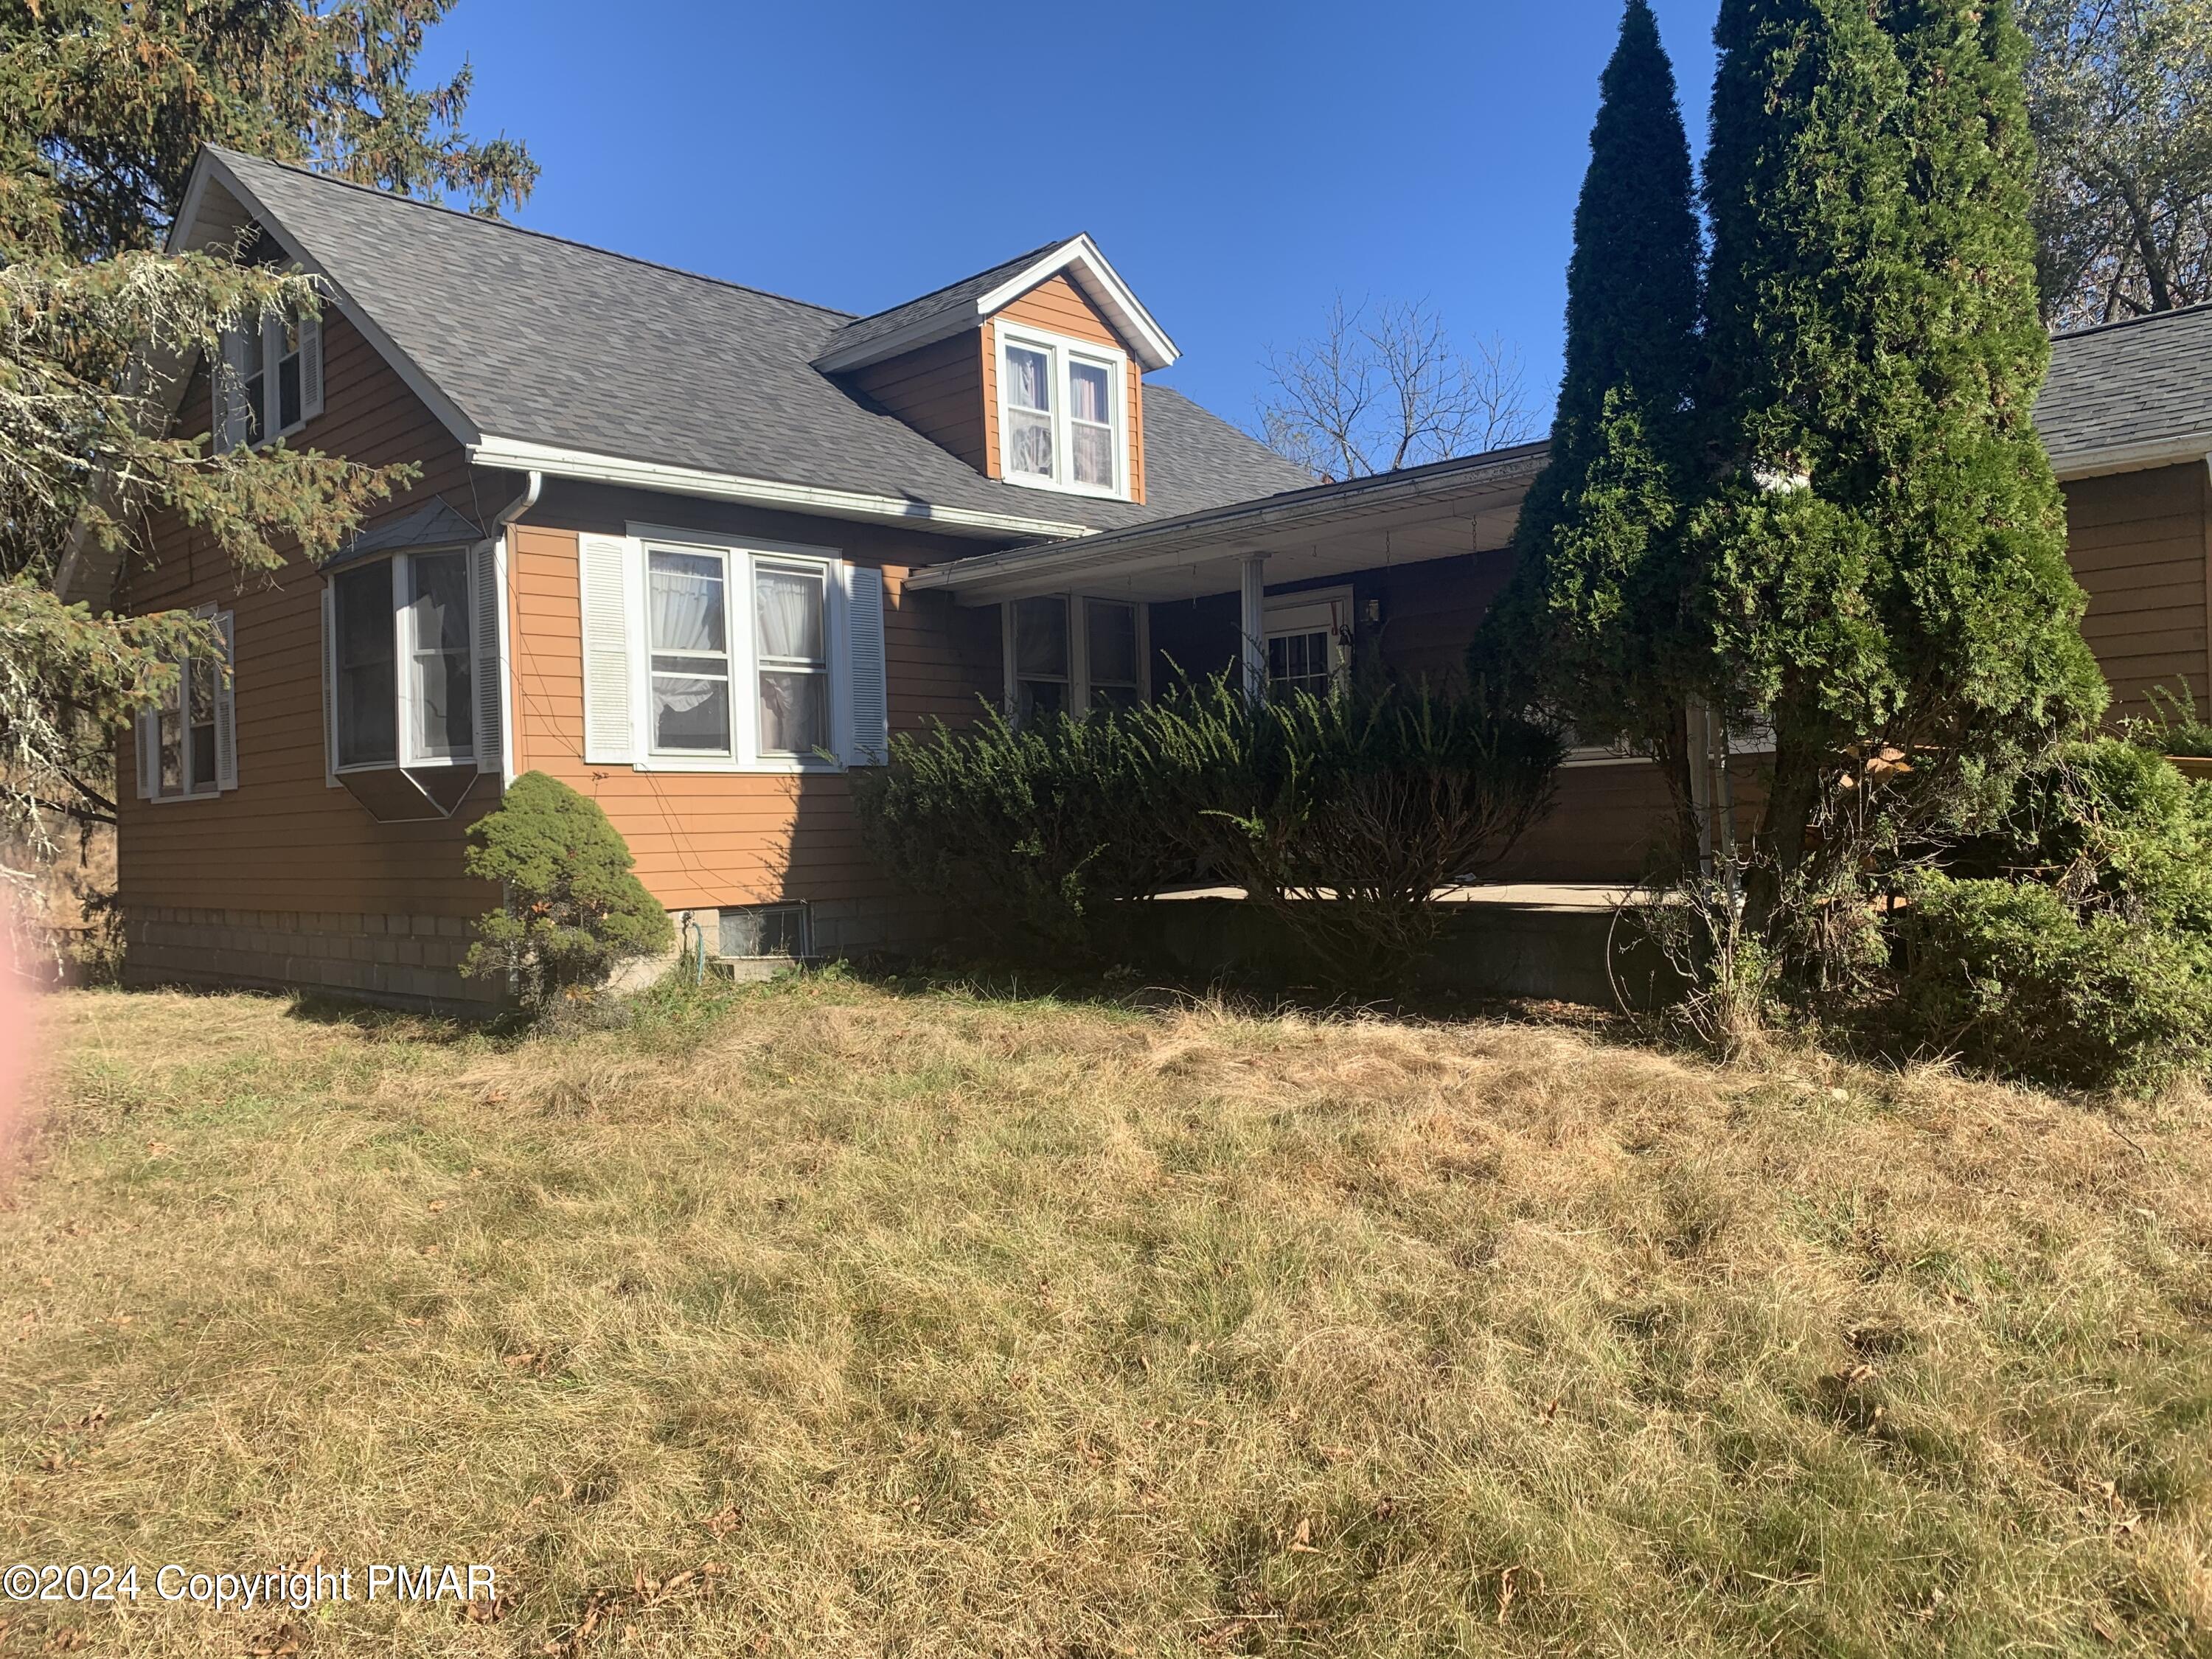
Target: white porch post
[(1254, 624)]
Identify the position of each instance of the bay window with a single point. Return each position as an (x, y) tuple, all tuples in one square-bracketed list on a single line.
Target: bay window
[(1061, 412), (412, 682)]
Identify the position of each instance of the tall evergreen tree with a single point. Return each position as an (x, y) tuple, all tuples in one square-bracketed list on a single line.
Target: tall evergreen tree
[(1882, 550), (1590, 624), (104, 105)]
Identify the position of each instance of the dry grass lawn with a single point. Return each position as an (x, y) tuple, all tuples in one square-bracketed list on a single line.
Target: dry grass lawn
[(821, 1319)]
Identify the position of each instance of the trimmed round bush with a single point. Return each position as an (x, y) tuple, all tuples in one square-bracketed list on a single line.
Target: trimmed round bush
[(572, 910)]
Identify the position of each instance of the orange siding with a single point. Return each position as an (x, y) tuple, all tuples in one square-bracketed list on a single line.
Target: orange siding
[(1058, 305), (283, 839), (938, 391), (715, 839), (2138, 544)]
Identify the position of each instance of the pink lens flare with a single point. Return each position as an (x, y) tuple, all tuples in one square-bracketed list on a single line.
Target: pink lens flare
[(18, 1034)]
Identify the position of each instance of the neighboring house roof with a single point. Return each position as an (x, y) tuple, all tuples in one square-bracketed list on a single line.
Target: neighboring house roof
[(2128, 395), (534, 342)]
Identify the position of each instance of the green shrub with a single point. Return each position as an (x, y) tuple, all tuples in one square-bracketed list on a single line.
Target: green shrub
[(2016, 981), (572, 910), (1028, 835), (2071, 945), (1345, 814), (2173, 726)]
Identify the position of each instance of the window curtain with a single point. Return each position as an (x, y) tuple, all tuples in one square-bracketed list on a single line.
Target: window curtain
[(789, 606), (687, 604)]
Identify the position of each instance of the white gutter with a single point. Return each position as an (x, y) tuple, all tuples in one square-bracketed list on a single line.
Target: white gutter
[(514, 455), (1228, 529), (2134, 458)]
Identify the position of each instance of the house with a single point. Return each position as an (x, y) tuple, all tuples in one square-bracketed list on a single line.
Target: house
[(698, 550)]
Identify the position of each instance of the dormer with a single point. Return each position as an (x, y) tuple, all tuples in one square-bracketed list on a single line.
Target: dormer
[(1031, 372)]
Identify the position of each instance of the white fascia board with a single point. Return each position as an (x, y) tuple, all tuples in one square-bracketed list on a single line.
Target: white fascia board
[(1154, 349), (1100, 280), (2134, 457), (410, 373), (517, 455), (1221, 533)]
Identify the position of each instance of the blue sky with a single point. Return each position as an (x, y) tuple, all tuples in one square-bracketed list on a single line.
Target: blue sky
[(1239, 165)]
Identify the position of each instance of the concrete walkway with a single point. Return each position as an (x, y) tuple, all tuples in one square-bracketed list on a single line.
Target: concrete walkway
[(1527, 896)]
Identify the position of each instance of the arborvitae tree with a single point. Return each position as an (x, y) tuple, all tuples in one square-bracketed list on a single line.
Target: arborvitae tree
[(1591, 623), (1882, 548)]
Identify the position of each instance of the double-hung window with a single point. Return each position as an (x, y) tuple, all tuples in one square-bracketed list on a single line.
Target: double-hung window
[(268, 382), (791, 607), (1069, 653), (688, 619), (1062, 413), (700, 655), (187, 743)]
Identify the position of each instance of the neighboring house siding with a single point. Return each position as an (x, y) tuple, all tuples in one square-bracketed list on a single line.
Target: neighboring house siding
[(283, 879), (938, 391), (2138, 544), (714, 840), (1057, 305)]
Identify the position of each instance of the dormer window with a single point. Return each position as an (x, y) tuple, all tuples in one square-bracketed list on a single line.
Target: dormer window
[(1062, 410)]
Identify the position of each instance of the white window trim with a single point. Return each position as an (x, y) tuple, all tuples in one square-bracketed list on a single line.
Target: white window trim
[(738, 553), (148, 725), (1313, 611), (1078, 649), (403, 644), (1059, 347)]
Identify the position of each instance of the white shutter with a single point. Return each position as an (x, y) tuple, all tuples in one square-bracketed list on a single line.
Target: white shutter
[(610, 723), (226, 706), (487, 666), (330, 684), (870, 745), (238, 346), (146, 729), (311, 368)]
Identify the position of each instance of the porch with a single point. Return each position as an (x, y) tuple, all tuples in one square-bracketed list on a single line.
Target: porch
[(1302, 589)]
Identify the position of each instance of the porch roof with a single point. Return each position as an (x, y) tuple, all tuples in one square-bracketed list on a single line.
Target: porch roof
[(1432, 512)]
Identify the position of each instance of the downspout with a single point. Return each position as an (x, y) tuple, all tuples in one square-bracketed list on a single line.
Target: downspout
[(506, 515)]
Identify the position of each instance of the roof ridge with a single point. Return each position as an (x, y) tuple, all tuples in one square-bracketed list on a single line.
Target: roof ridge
[(2131, 322), (946, 288), (528, 230)]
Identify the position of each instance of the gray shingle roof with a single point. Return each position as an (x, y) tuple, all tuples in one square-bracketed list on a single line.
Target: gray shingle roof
[(2145, 382), (435, 524), (952, 297), (545, 341)]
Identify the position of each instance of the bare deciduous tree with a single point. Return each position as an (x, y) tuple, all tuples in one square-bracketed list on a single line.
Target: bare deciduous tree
[(2120, 100), (1388, 388)]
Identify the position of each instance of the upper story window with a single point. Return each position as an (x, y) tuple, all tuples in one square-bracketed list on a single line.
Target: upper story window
[(269, 383), (1062, 413), (187, 744)]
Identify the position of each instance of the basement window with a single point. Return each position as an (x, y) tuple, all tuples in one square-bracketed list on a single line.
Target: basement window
[(764, 930)]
